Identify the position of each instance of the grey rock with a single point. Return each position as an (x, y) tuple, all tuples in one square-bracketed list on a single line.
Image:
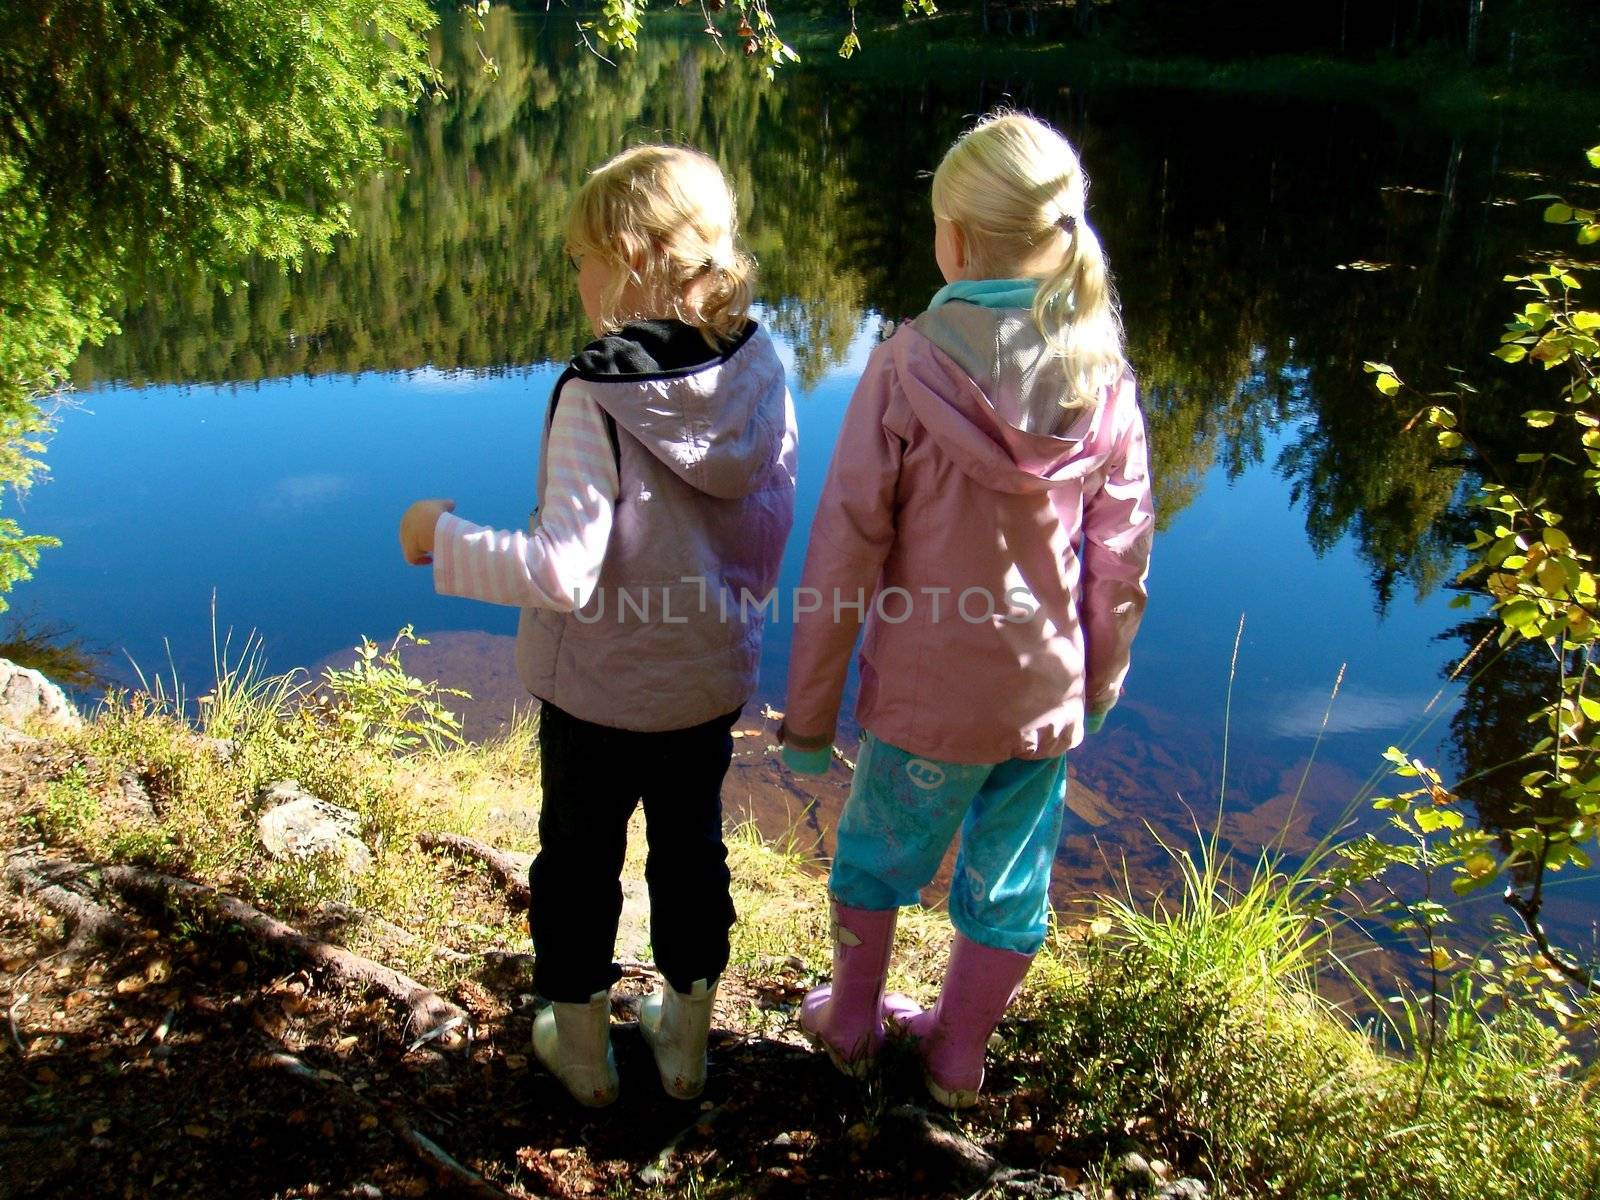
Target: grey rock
[(27, 697), (654, 1174), (132, 804), (1029, 1183), (1133, 1173), (1182, 1189), (224, 750), (298, 825)]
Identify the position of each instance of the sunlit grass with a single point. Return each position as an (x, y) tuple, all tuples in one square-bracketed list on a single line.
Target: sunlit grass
[(1198, 1019)]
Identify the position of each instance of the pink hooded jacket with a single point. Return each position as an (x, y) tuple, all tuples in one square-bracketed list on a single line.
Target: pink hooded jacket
[(1000, 572)]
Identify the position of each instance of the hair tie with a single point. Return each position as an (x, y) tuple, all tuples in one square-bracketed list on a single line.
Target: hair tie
[(1067, 223)]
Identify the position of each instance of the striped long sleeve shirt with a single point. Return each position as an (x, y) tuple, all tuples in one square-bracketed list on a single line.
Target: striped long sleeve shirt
[(557, 565)]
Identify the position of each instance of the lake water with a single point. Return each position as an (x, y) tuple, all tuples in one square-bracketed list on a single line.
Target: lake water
[(259, 446)]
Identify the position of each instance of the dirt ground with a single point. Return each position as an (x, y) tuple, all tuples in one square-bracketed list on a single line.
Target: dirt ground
[(186, 1066)]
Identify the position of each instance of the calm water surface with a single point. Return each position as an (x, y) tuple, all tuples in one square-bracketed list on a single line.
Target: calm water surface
[(260, 446)]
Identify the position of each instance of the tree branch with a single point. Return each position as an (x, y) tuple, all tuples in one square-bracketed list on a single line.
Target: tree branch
[(425, 1009), (509, 870), (49, 882), (1528, 912)]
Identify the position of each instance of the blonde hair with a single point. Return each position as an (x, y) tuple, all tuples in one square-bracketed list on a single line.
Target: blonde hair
[(666, 216), (1015, 187)]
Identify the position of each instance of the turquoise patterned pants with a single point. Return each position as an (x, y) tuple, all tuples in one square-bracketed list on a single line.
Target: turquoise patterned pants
[(903, 812)]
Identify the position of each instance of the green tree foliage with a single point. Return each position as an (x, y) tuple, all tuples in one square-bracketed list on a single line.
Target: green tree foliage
[(1536, 568), (135, 135)]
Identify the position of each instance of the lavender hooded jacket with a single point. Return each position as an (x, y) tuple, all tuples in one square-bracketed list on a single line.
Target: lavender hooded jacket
[(706, 463), (941, 504)]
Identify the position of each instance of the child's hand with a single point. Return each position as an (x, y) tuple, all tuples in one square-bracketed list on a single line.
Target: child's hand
[(416, 529)]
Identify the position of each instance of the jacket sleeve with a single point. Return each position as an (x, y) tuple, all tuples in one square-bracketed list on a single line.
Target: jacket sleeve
[(850, 537), (1118, 527)]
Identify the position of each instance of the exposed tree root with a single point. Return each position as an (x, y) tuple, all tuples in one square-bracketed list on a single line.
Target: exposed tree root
[(461, 1179), (50, 881), (334, 916), (426, 1010), (509, 870)]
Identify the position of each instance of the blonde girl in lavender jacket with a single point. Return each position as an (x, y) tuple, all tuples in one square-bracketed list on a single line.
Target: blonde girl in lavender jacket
[(666, 485), (988, 514)]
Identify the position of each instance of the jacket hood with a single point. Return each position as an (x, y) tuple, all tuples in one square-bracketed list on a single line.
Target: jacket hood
[(978, 380), (718, 425)]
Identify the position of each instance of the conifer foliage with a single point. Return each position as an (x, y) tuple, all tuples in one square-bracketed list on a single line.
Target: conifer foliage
[(135, 134)]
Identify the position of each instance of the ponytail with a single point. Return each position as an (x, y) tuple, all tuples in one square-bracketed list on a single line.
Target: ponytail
[(1075, 311), (1017, 190), (720, 309)]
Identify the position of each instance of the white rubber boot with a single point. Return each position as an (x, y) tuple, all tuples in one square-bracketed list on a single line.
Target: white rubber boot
[(676, 1026), (573, 1041)]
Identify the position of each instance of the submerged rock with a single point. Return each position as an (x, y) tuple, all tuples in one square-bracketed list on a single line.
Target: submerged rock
[(28, 697), (298, 825)]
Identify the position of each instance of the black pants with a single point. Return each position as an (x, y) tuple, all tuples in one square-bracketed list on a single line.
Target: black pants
[(593, 776)]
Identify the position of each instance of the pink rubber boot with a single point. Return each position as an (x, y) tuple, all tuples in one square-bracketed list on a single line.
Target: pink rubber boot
[(979, 985), (845, 1018)]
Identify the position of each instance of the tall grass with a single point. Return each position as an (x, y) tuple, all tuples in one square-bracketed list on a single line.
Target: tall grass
[(1202, 1019), (1253, 935), (1198, 1023)]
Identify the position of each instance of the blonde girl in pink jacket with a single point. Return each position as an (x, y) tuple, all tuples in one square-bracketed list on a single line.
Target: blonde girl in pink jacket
[(987, 516)]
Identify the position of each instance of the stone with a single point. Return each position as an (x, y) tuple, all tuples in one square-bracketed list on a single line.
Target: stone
[(298, 825), (1182, 1189), (223, 750), (28, 698), (1034, 1185), (1134, 1174)]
